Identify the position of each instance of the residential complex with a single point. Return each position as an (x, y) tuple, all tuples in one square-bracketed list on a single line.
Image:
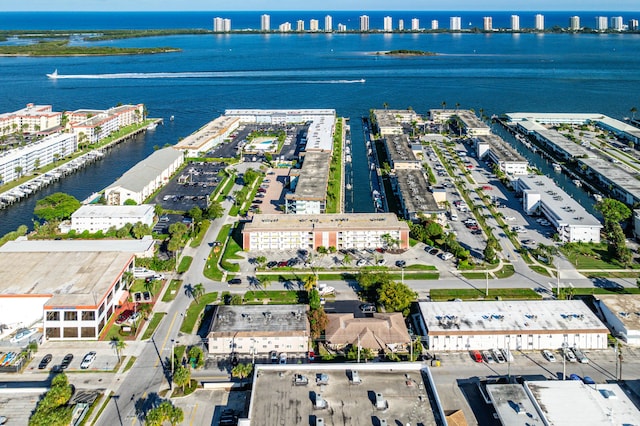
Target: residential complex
[(620, 311), (539, 25), (208, 136), (342, 231), (515, 23), (309, 185), (384, 332), (221, 25), (30, 119), (364, 23), (95, 217), (388, 24), (328, 23), (487, 23), (455, 23), (574, 23)]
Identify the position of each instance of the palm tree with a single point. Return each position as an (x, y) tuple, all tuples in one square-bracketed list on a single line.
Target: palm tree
[(182, 376), (118, 345), (242, 371), (310, 282), (385, 105), (198, 291), (444, 104), (633, 111), (457, 106)]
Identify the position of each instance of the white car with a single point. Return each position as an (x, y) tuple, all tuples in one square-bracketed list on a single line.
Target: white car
[(548, 356), (580, 356), (488, 358), (569, 355), (88, 360), (446, 256), (498, 356), (361, 262)]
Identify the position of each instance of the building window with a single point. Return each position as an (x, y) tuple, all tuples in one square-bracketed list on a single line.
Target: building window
[(89, 332), (52, 333), (71, 316), (88, 315), (53, 316), (101, 310), (70, 332), (109, 297)]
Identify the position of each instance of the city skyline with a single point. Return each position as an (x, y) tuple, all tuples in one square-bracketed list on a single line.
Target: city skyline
[(331, 5)]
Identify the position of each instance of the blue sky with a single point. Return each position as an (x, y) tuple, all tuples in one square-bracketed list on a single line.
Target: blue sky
[(264, 5)]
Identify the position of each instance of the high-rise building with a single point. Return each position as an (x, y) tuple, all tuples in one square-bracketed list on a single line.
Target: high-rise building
[(300, 25), (265, 23), (455, 23), (218, 25), (285, 27), (400, 24), (602, 23), (515, 23), (574, 23), (434, 24), (415, 24), (342, 28), (539, 22), (633, 25), (314, 25), (388, 24), (226, 25), (328, 23), (364, 23), (617, 23), (487, 23)]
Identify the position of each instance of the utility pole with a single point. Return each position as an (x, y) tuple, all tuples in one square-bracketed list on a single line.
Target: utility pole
[(486, 275)]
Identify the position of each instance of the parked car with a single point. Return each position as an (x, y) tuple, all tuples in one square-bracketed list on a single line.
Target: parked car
[(380, 262), (580, 356), (361, 262), (588, 380), (433, 251), (548, 356), (262, 190), (488, 358), (497, 354), (282, 264), (283, 358), (124, 317), (66, 361), (272, 264), (507, 354), (569, 355), (235, 281), (476, 356), (368, 308), (88, 360), (401, 263), (575, 377), (446, 256), (274, 357), (45, 361)]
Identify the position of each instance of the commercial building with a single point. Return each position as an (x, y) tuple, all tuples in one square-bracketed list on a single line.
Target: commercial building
[(256, 330), (344, 394), (96, 217), (24, 160), (388, 24), (364, 23), (144, 178), (503, 155), (515, 23), (328, 23), (30, 119), (309, 185), (561, 402), (342, 231), (265, 22), (574, 23), (517, 325), (541, 196), (487, 23), (380, 332), (621, 313), (455, 23), (208, 136), (539, 24), (73, 293)]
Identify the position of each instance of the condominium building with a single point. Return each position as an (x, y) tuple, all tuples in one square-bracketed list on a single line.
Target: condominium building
[(31, 119), (487, 23), (633, 25), (300, 25), (617, 23), (314, 25), (364, 23), (265, 23), (342, 28), (574, 23), (388, 24), (602, 23), (434, 24), (400, 24), (221, 25), (328, 23), (208, 136), (515, 23), (455, 23), (97, 217), (415, 24), (285, 27), (539, 26)]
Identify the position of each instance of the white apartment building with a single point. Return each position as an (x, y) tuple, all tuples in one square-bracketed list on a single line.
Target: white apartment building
[(574, 23), (285, 27), (96, 217), (342, 28), (455, 23), (300, 25), (265, 22), (364, 23), (516, 325), (218, 25), (633, 25), (602, 23), (487, 23), (400, 24), (256, 330), (617, 23), (208, 136), (328, 23), (434, 24), (388, 24), (415, 24), (90, 126), (20, 161), (314, 25), (539, 22), (496, 150), (31, 119), (515, 23)]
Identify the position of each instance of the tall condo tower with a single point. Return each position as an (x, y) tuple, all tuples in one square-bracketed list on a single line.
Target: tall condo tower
[(388, 24), (539, 22), (617, 23), (602, 23), (515, 23), (487, 23), (415, 24), (265, 23), (574, 23), (455, 23), (299, 25), (364, 23), (314, 25), (328, 23), (434, 24)]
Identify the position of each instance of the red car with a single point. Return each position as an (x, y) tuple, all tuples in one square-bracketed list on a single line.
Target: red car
[(312, 356), (476, 356), (124, 316), (487, 187), (262, 190)]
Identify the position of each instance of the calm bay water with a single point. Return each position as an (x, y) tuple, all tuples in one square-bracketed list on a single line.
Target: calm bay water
[(498, 73)]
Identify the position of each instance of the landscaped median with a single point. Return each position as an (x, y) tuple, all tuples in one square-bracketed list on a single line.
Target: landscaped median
[(444, 294), (194, 311)]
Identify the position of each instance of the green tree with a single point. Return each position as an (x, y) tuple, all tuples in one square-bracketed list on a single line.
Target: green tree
[(182, 376), (139, 230), (130, 202), (314, 299), (242, 371), (58, 206), (261, 260), (396, 297), (310, 282), (613, 211), (215, 210), (196, 357), (317, 322), (346, 260), (365, 353), (198, 291), (236, 299), (195, 214)]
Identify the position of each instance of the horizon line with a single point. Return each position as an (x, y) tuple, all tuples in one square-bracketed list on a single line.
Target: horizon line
[(323, 11)]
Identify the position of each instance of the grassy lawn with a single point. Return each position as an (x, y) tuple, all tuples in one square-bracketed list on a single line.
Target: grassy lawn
[(540, 270), (153, 324), (415, 276), (506, 271), (130, 363), (475, 275), (204, 227), (195, 310), (184, 265), (230, 251), (613, 274), (334, 189), (211, 270), (99, 400), (188, 390), (226, 187), (595, 290), (280, 297), (440, 295), (420, 268), (592, 256), (172, 291)]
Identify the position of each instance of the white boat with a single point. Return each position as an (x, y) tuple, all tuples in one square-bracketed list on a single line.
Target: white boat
[(152, 126), (362, 80), (348, 186), (172, 118), (557, 167), (597, 197), (577, 182), (53, 75)]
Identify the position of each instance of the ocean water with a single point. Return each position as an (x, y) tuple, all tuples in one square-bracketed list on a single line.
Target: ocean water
[(498, 73)]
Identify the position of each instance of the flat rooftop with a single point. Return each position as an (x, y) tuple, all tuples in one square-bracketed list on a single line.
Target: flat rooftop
[(626, 180), (293, 113), (571, 148), (103, 211), (415, 192), (277, 401), (488, 317), (313, 177), (470, 120), (320, 133), (513, 405), (258, 320), (571, 402), (212, 130), (23, 245), (501, 149), (566, 211), (399, 150), (345, 221), (626, 307), (72, 278)]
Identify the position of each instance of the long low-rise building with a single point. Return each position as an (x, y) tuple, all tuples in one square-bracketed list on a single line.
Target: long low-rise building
[(144, 178), (342, 231), (96, 217), (517, 325), (392, 121), (572, 222), (400, 154), (143, 247), (207, 137), (30, 119), (621, 313), (414, 194), (503, 155), (309, 185)]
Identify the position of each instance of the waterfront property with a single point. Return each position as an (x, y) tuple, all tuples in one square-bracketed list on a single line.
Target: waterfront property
[(468, 122), (91, 126), (342, 231), (349, 394), (257, 331), (144, 178), (415, 195), (542, 197), (394, 121), (40, 119), (503, 155), (517, 325), (207, 137), (96, 217), (620, 312), (309, 185), (380, 332)]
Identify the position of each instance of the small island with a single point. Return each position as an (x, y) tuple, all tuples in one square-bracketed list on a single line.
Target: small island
[(405, 52), (62, 48)]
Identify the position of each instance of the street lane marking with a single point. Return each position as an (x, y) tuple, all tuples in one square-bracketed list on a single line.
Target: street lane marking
[(164, 343), (193, 414)]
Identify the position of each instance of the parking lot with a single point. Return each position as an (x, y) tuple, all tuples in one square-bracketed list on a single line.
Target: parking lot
[(191, 188), (106, 357), (270, 195)]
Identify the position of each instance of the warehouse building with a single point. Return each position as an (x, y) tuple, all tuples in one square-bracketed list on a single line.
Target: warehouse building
[(517, 325), (621, 313)]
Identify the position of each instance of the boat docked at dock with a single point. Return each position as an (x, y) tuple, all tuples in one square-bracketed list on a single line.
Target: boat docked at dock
[(577, 182), (557, 167), (152, 126)]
